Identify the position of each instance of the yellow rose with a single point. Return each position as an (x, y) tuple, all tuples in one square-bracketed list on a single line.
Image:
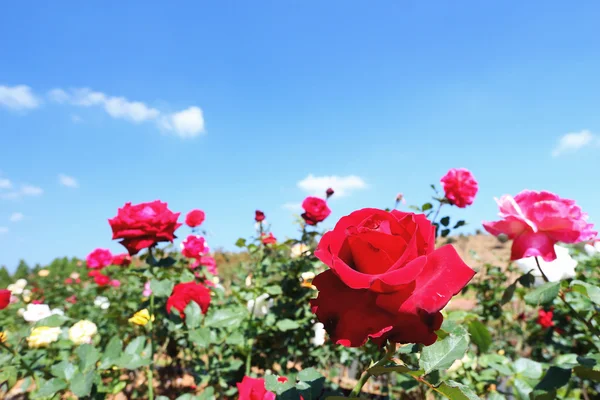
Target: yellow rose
[(141, 317), (42, 336), (3, 337), (43, 273), (82, 332)]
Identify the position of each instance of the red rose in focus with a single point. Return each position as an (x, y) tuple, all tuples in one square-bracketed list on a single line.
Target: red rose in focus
[(545, 318), (121, 260), (253, 389), (268, 239), (194, 218), (537, 220), (315, 210), (99, 259), (193, 247), (143, 225), (4, 298), (183, 293), (329, 192), (460, 187), (259, 216), (386, 273), (101, 279)]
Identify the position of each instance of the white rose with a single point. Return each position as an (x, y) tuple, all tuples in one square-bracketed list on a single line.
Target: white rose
[(263, 304), (592, 249), (319, 338), (21, 283), (82, 332), (102, 302), (299, 249), (561, 268), (14, 289), (42, 336), (307, 276), (36, 312)]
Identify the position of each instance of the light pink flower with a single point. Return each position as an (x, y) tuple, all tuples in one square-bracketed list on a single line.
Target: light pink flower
[(115, 283), (147, 291), (537, 220), (99, 258)]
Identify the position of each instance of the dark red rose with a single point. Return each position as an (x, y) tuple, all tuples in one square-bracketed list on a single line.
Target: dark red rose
[(386, 273), (121, 260), (329, 192), (194, 218), (259, 216), (545, 318), (460, 187), (315, 210), (143, 225), (99, 259), (4, 298), (268, 239), (183, 293), (253, 389), (101, 279)]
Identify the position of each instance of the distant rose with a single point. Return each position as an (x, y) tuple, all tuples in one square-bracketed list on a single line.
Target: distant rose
[(184, 293), (259, 216), (143, 225), (545, 318), (42, 336), (329, 192), (121, 260), (193, 247), (210, 263), (315, 210), (535, 221), (82, 332), (99, 259), (460, 187), (115, 283), (268, 239), (101, 280), (4, 298), (194, 218)]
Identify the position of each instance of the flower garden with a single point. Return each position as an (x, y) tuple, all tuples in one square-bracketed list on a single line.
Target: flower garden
[(370, 309)]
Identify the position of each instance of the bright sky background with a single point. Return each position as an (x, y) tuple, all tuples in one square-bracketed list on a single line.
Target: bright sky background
[(228, 106)]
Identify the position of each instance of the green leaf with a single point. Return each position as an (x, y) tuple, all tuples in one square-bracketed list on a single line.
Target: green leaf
[(51, 386), (495, 396), (241, 242), (402, 369), (445, 221), (167, 262), (207, 394), (543, 294), (53, 321), (200, 337), (426, 206), (445, 232), (136, 346), (528, 368), (456, 391), (9, 375), (555, 378), (480, 335), (590, 291), (287, 325), (542, 395), (81, 385), (193, 315), (311, 383), (225, 318), (459, 224), (162, 288), (111, 353), (235, 339), (587, 373), (284, 389), (441, 354), (508, 293), (527, 280), (88, 357), (63, 370), (273, 290)]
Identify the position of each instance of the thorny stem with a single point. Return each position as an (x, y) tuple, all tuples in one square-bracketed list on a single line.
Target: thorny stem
[(152, 344), (389, 353)]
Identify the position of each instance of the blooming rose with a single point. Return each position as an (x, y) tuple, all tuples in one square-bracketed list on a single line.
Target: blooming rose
[(43, 273), (193, 247), (82, 332), (141, 317), (194, 218), (254, 389), (143, 225), (42, 336), (537, 220), (102, 302), (101, 279), (115, 283), (37, 312), (184, 293), (268, 239), (259, 216), (545, 318), (299, 249), (4, 298), (315, 210), (99, 258), (386, 273), (460, 187), (121, 260), (210, 263), (563, 267), (68, 281)]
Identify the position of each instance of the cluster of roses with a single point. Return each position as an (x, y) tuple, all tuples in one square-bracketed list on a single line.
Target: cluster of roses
[(100, 258)]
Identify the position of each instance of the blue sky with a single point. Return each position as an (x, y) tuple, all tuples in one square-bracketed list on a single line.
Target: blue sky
[(228, 106)]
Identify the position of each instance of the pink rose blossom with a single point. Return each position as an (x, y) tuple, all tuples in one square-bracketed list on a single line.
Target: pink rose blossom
[(537, 220), (460, 187), (99, 259), (147, 291), (210, 264), (193, 247), (115, 283)]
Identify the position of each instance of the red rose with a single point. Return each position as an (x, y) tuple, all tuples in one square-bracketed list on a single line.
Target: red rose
[(329, 192), (194, 218), (4, 298), (460, 187), (193, 247), (101, 279), (93, 273), (315, 210), (386, 273), (183, 293), (253, 389), (99, 259), (259, 216), (121, 260), (143, 225), (545, 318), (68, 281), (268, 239)]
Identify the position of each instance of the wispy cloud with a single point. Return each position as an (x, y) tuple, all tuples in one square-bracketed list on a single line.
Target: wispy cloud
[(22, 191), (573, 141), (342, 185), (5, 183), (3, 230), (67, 181), (18, 98), (294, 207), (16, 217)]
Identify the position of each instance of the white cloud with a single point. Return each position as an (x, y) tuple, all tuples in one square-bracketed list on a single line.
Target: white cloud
[(18, 97), (187, 123), (30, 190), (342, 185), (68, 181), (5, 183), (294, 207), (3, 230), (574, 141), (16, 217), (76, 119), (58, 96)]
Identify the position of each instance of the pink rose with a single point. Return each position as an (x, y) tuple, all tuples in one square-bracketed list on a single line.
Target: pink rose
[(460, 187), (115, 283), (537, 220), (194, 218), (99, 259), (210, 263), (315, 210), (193, 247), (147, 291)]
